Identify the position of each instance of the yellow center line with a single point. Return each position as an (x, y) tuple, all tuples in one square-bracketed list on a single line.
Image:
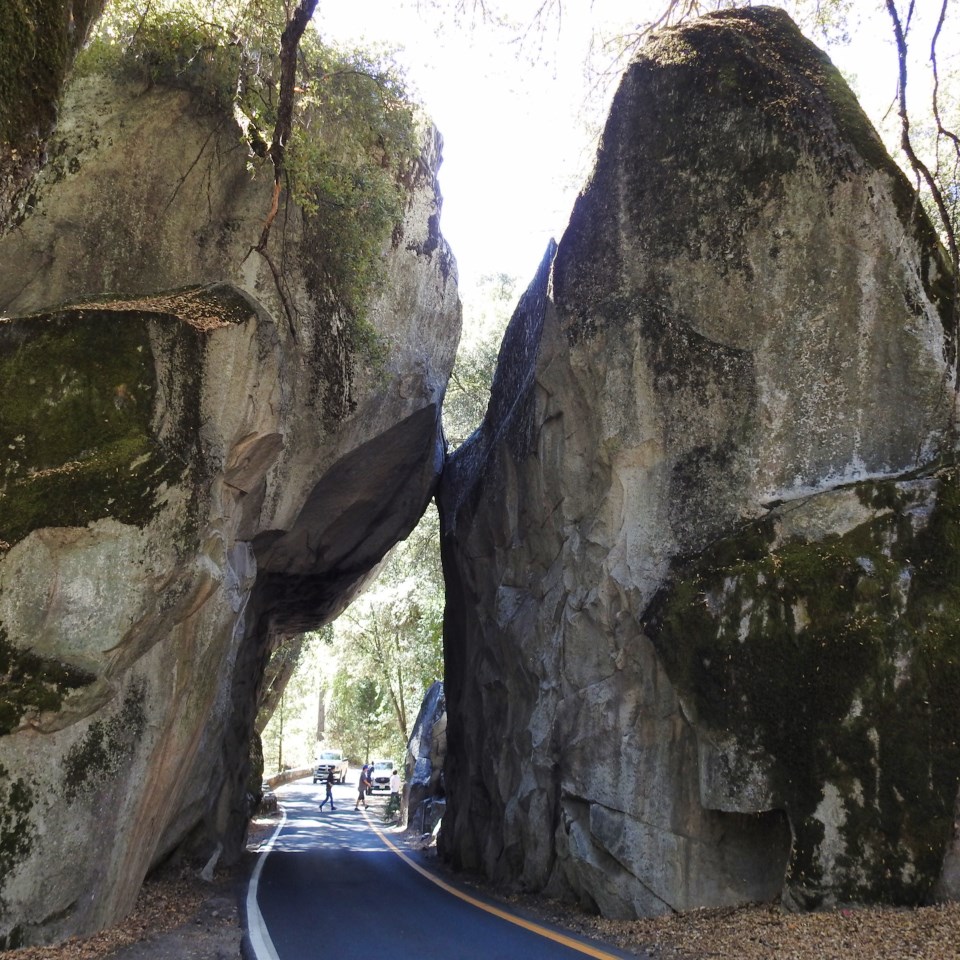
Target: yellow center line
[(536, 928)]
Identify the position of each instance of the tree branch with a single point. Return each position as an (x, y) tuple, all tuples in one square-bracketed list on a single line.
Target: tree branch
[(941, 130), (921, 169), (289, 46)]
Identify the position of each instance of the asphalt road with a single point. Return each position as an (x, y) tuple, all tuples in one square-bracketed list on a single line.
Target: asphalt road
[(332, 886)]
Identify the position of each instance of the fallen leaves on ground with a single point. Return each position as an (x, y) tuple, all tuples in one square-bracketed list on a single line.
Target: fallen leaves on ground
[(741, 933), (167, 900), (164, 903), (765, 932)]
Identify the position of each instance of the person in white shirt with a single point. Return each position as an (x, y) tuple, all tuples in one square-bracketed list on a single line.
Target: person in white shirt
[(395, 785)]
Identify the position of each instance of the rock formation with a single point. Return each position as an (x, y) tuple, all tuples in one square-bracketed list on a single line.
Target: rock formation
[(701, 555), (38, 44), (424, 800), (200, 458)]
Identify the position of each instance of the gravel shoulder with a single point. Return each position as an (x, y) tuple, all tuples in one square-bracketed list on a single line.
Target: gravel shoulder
[(179, 916)]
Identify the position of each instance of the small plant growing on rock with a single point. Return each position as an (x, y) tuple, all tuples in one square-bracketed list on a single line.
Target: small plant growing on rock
[(342, 139)]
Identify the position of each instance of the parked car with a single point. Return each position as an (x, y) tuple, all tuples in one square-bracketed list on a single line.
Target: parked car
[(331, 760), (380, 778)]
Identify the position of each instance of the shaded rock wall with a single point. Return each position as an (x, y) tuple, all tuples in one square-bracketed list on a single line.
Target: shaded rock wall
[(38, 43), (424, 798), (189, 473), (744, 326)]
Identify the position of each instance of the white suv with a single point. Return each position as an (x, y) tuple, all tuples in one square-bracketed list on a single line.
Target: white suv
[(380, 775), (331, 760)]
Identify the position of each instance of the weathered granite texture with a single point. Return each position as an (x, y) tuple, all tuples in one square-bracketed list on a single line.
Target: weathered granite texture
[(186, 477), (424, 801), (38, 43), (701, 622)]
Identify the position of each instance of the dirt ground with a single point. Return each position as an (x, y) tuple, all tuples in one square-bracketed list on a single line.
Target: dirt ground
[(180, 917)]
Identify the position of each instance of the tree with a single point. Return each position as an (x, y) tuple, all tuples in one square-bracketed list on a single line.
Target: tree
[(288, 719), (940, 182), (371, 668), (486, 310), (358, 722), (387, 649)]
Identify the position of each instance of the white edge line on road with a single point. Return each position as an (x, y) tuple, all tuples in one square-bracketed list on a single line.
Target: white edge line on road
[(260, 942), (555, 935)]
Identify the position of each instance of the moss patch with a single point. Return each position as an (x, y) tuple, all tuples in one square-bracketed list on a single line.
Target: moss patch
[(16, 832), (106, 748), (808, 105), (75, 438), (840, 660), (31, 683), (710, 123), (38, 39)]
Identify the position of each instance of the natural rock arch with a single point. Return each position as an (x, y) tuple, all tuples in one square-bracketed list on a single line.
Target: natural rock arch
[(191, 473), (690, 439)]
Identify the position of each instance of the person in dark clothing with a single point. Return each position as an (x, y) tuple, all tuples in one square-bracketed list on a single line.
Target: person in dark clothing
[(363, 787), (329, 796)]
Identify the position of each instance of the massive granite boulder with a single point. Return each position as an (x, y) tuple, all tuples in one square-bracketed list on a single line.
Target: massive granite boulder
[(201, 456), (701, 629)]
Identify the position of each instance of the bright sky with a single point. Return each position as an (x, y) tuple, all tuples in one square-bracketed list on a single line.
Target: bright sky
[(513, 145), (516, 149)]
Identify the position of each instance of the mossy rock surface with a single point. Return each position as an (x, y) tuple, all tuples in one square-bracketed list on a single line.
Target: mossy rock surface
[(80, 389), (107, 745), (75, 423), (38, 40), (33, 683), (839, 660)]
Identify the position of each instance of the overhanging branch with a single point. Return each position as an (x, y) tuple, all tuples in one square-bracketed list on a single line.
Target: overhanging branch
[(289, 47)]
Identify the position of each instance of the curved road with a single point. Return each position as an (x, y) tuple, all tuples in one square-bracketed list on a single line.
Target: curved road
[(331, 885)]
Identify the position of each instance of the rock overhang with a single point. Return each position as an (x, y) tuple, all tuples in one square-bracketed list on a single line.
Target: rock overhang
[(195, 408)]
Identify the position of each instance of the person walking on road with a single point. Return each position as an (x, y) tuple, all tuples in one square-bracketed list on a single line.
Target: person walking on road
[(329, 796), (362, 788), (395, 787)]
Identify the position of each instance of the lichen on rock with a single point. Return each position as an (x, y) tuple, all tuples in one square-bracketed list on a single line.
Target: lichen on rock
[(105, 748), (833, 662), (17, 833), (33, 684)]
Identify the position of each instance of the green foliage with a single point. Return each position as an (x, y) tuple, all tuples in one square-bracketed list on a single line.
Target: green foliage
[(349, 163), (386, 651), (391, 812), (359, 720), (486, 311), (289, 717), (169, 46), (354, 143)]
